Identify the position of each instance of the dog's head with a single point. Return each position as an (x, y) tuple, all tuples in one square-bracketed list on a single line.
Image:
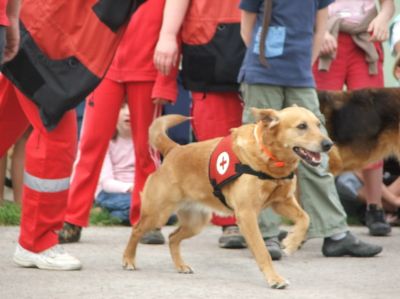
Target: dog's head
[(293, 130)]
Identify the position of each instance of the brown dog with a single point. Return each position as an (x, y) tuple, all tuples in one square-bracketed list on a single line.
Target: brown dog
[(271, 149), (364, 124)]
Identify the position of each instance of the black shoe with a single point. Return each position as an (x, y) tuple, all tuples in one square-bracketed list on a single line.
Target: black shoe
[(153, 237), (376, 222), (231, 238), (274, 248), (70, 233), (282, 234), (350, 246), (172, 220)]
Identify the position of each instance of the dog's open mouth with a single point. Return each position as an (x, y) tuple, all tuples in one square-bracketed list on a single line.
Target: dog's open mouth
[(312, 158)]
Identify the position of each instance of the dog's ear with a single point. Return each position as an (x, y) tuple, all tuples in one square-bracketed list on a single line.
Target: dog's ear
[(268, 116)]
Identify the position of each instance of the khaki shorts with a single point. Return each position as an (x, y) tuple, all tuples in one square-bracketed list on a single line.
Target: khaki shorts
[(278, 97)]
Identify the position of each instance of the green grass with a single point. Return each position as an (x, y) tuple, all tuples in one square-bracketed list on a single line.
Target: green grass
[(99, 216), (10, 214)]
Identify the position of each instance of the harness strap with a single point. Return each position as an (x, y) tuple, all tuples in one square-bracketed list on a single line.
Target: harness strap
[(242, 169)]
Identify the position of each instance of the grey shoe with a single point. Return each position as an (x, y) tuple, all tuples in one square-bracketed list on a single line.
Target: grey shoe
[(274, 248), (376, 222), (231, 238), (153, 237), (349, 246)]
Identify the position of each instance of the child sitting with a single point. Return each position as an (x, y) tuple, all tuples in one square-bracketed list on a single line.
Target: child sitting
[(117, 174)]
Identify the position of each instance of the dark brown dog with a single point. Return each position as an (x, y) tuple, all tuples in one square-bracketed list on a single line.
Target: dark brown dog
[(272, 147), (364, 124)]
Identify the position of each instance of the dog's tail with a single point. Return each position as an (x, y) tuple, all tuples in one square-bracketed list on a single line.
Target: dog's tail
[(157, 132)]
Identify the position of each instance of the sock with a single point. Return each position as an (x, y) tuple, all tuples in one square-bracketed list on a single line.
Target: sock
[(338, 236)]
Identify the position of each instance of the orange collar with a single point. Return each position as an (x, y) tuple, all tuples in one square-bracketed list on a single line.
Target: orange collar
[(265, 150)]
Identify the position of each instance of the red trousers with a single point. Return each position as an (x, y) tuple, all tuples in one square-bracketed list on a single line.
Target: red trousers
[(351, 69), (214, 114), (48, 165), (99, 125)]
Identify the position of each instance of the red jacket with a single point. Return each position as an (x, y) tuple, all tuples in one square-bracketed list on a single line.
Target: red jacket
[(3, 15), (133, 60)]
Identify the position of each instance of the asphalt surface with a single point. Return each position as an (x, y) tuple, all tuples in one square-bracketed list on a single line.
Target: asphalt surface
[(219, 273)]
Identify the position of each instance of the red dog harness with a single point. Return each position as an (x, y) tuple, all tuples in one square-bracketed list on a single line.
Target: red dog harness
[(224, 167)]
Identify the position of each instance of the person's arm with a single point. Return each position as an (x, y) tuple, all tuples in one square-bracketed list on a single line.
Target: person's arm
[(379, 26), (329, 44), (247, 22), (107, 181), (12, 31), (167, 48), (319, 32)]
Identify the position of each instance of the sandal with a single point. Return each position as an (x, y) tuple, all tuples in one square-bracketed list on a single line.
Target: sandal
[(70, 233)]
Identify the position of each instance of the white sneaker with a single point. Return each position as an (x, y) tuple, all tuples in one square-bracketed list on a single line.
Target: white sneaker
[(54, 258)]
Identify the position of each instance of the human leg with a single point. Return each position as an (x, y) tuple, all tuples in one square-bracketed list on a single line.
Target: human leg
[(13, 123), (17, 166), (359, 77), (99, 123), (48, 165), (117, 204), (3, 168), (373, 192), (143, 112), (214, 114), (262, 96)]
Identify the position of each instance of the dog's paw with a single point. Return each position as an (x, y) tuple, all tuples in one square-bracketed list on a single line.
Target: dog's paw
[(185, 269), (128, 265), (289, 250), (280, 285), (278, 282), (289, 246)]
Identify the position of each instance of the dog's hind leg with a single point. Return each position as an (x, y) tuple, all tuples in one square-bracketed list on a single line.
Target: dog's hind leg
[(292, 210), (192, 220), (152, 216), (248, 224)]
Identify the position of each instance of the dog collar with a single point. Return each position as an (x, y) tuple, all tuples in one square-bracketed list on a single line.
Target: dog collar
[(265, 150)]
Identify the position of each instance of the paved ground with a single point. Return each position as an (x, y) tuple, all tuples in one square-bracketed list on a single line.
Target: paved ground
[(218, 273)]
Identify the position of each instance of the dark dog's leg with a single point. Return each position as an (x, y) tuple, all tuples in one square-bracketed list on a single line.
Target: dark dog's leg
[(292, 210), (247, 221), (191, 221)]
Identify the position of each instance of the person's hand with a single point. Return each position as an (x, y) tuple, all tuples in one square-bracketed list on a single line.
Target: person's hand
[(166, 54), (12, 40), (329, 45), (160, 101), (379, 30)]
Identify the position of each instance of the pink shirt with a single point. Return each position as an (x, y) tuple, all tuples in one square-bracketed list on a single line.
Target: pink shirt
[(3, 15), (118, 169), (352, 11)]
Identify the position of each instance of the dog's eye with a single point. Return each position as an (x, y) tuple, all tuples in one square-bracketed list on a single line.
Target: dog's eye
[(302, 126)]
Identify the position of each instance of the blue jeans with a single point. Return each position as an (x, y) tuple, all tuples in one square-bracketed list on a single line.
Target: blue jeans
[(117, 204)]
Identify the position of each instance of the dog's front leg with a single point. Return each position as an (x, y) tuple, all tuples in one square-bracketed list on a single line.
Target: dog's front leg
[(247, 221), (292, 210)]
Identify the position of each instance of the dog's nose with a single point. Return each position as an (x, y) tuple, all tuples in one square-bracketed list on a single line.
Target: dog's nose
[(326, 145)]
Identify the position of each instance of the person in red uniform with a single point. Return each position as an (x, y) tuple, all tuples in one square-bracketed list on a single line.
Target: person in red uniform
[(29, 93), (211, 56), (132, 76)]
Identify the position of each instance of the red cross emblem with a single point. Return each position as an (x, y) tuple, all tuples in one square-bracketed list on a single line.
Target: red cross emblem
[(222, 163)]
